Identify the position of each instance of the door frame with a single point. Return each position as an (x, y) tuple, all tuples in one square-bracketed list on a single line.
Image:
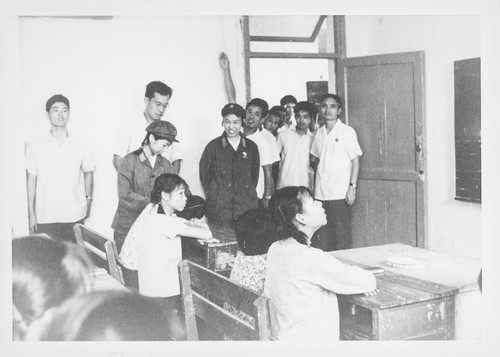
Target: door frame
[(419, 176)]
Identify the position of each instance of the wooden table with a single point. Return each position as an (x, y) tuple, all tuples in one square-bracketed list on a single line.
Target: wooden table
[(457, 273), (218, 257)]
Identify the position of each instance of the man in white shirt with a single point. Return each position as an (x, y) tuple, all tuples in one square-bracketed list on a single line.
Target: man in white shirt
[(288, 102), (156, 100), (256, 109), (335, 156), (294, 146), (60, 176)]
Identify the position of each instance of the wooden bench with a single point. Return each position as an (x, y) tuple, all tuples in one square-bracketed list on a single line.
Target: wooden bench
[(204, 292), (100, 248)]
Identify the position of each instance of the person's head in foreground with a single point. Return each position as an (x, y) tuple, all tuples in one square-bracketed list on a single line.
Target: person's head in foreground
[(254, 231)]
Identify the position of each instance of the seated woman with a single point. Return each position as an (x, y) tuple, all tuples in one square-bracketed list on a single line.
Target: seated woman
[(104, 316), (254, 233), (159, 248), (302, 281), (45, 273)]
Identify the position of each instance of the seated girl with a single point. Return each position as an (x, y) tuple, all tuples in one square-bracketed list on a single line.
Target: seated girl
[(45, 273), (302, 281), (104, 316), (159, 248), (254, 235)]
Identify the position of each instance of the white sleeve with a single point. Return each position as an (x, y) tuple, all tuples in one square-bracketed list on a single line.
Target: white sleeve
[(351, 144), (30, 160)]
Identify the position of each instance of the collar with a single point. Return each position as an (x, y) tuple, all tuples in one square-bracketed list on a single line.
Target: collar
[(49, 137), (145, 154), (307, 133), (225, 140)]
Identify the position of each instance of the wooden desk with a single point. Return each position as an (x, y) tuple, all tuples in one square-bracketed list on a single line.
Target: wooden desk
[(450, 270), (218, 257), (104, 281)]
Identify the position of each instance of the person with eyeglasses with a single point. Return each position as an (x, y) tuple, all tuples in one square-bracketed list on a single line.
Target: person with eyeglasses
[(156, 101)]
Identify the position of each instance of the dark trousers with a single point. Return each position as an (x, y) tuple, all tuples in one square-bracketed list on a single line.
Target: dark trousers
[(119, 239), (336, 235), (174, 312), (62, 232)]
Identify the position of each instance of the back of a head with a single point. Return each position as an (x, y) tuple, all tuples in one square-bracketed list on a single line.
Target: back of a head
[(254, 231), (45, 273), (105, 316), (195, 208)]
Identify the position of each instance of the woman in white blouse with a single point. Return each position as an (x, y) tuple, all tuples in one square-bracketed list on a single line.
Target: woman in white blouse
[(302, 281)]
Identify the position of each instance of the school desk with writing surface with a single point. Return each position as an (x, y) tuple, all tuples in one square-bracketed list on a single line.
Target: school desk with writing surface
[(218, 257), (439, 300)]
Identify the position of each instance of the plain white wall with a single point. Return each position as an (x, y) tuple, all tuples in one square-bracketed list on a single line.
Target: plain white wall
[(103, 66), (452, 226)]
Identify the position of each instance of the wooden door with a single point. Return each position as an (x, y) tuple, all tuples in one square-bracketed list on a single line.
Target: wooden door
[(384, 103)]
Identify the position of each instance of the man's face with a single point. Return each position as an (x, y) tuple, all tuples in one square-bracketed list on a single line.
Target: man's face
[(330, 109), (59, 114), (253, 116), (289, 109), (232, 125), (155, 107), (303, 119), (271, 123)]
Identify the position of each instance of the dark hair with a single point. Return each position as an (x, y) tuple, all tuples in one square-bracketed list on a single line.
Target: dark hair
[(157, 87), (57, 98), (166, 183), (105, 316), (156, 136), (288, 99), (45, 273), (195, 208), (334, 97), (305, 106), (261, 103), (254, 231), (280, 112), (284, 205)]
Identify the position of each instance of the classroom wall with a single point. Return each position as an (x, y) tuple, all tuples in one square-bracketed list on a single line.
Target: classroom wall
[(452, 226), (103, 66)]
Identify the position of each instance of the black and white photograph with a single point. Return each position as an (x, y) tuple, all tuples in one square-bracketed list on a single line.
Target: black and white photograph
[(297, 177)]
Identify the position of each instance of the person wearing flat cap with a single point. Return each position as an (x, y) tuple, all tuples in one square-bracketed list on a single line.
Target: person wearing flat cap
[(136, 176), (229, 170)]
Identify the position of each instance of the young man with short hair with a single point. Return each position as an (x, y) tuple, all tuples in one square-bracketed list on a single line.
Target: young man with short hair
[(60, 177), (294, 146), (335, 156), (229, 170), (156, 100), (288, 102), (256, 110)]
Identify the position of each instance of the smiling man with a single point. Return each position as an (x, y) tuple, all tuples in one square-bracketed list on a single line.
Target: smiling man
[(60, 176), (229, 170), (156, 100)]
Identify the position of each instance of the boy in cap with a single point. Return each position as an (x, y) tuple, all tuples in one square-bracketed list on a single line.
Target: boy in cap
[(294, 146), (156, 100), (56, 162), (229, 170), (256, 111), (137, 173)]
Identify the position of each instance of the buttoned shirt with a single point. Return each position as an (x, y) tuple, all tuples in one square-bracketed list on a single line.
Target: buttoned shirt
[(335, 151), (265, 159), (60, 186), (136, 180), (295, 169), (302, 283), (133, 133), (229, 177)]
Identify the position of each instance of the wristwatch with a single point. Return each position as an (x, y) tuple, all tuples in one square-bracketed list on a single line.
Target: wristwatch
[(352, 184)]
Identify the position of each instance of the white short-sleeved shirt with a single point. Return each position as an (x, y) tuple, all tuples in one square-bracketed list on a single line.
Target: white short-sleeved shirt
[(158, 253), (131, 136), (60, 186), (302, 283), (295, 169), (265, 159), (274, 154), (335, 150)]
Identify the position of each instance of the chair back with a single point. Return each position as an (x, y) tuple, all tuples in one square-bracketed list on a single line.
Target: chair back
[(100, 248), (204, 292)]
